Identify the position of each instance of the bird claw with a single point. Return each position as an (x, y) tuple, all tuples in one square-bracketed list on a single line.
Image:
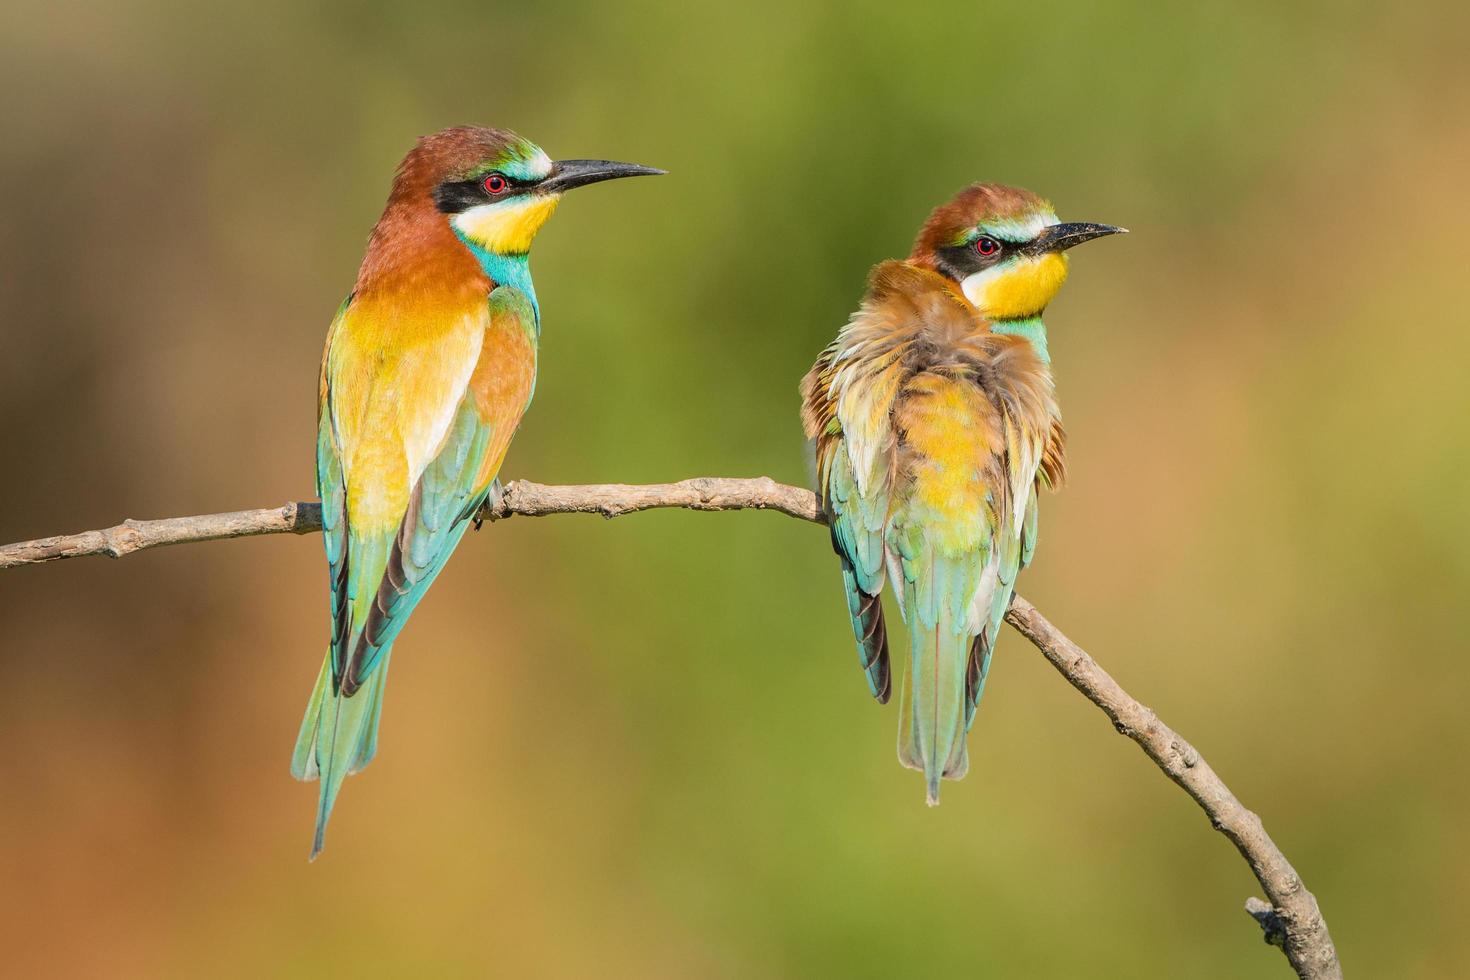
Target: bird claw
[(490, 509)]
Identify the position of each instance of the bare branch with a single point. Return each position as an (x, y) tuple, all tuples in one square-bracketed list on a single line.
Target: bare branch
[(131, 535), (615, 499), (1292, 920), (521, 497)]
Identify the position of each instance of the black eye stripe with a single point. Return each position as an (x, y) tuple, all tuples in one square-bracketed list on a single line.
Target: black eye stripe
[(960, 261), (454, 196)]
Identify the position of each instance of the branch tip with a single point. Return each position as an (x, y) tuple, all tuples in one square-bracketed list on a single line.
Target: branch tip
[(1273, 929)]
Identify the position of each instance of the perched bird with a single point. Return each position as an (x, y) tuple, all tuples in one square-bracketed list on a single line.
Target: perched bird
[(429, 365), (935, 423)]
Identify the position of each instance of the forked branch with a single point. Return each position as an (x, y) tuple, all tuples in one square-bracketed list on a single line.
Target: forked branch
[(1291, 920)]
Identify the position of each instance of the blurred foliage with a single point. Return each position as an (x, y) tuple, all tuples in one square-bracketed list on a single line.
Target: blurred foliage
[(643, 748)]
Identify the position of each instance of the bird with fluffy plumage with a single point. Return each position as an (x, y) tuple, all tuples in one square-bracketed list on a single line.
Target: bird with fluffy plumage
[(935, 423)]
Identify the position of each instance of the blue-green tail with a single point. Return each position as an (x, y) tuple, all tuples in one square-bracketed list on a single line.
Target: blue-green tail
[(339, 736), (931, 734)]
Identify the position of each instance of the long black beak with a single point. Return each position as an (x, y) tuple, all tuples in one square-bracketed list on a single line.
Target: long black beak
[(566, 174), (1059, 238)]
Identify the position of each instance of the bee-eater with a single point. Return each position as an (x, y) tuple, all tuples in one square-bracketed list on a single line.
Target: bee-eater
[(935, 422), (429, 365)]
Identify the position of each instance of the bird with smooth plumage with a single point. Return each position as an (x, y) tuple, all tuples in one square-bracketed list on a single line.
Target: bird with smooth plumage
[(429, 365)]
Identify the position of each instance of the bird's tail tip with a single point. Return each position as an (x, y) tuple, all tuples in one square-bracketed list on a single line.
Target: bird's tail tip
[(318, 842), (339, 736), (325, 802)]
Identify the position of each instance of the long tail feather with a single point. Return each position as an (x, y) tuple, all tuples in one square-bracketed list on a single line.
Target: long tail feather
[(932, 732), (339, 736)]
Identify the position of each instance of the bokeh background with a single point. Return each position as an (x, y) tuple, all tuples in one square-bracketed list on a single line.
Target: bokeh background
[(642, 748)]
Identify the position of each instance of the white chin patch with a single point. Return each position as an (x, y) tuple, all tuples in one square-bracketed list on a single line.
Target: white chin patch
[(975, 285)]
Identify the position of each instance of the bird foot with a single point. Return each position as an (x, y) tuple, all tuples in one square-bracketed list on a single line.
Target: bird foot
[(490, 509)]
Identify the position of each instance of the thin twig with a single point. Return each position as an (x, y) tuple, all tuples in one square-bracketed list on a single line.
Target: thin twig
[(131, 535), (1292, 920)]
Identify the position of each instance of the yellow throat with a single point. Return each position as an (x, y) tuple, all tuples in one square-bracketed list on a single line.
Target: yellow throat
[(507, 228), (1019, 288)]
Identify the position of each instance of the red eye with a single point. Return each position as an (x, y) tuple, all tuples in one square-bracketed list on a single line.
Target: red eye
[(496, 184), (986, 245)]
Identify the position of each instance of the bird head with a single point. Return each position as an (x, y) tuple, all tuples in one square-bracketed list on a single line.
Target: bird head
[(1003, 246), (496, 188)]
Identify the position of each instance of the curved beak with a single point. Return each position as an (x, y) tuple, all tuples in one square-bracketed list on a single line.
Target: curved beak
[(566, 174), (1059, 238)]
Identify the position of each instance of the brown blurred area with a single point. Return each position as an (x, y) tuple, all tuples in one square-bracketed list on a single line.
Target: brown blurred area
[(641, 748)]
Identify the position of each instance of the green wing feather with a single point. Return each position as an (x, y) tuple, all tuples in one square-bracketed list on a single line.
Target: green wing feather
[(1016, 551), (846, 398), (856, 522), (439, 511)]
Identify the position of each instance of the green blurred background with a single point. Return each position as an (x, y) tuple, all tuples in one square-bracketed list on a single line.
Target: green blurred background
[(642, 748)]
